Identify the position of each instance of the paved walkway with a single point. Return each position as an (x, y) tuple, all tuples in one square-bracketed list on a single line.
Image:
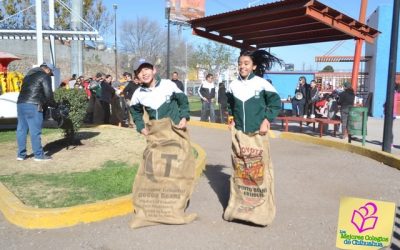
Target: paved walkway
[(310, 180), (374, 136)]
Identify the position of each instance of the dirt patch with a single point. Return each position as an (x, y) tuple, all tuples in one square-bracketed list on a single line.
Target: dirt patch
[(98, 145)]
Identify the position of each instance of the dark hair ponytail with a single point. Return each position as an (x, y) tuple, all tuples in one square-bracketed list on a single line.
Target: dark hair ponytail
[(263, 59)]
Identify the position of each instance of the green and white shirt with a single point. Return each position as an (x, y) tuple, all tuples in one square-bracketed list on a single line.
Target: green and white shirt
[(252, 100), (164, 100)]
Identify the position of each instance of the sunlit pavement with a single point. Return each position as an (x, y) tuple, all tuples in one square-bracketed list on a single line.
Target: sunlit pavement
[(309, 181)]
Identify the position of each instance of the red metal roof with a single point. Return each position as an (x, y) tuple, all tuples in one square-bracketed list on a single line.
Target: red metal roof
[(281, 23)]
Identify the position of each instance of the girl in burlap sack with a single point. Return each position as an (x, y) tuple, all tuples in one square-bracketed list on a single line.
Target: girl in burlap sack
[(253, 102), (165, 178)]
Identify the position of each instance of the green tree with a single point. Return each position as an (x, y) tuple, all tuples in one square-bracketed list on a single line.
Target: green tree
[(213, 57), (327, 68), (94, 12), (21, 21), (143, 38), (1, 16)]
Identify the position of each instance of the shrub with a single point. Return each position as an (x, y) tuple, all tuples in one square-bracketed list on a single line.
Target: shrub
[(76, 101)]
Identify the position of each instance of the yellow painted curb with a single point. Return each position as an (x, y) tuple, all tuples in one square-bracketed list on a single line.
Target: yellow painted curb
[(209, 125), (28, 217), (220, 126), (379, 156)]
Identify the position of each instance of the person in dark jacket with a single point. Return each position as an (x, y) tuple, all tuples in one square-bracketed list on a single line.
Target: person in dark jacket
[(130, 88), (36, 93), (107, 92), (223, 102), (346, 100), (299, 101), (178, 83), (312, 98)]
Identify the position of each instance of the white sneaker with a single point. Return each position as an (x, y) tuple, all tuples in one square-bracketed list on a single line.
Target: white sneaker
[(45, 158), (304, 116), (312, 116), (21, 159)]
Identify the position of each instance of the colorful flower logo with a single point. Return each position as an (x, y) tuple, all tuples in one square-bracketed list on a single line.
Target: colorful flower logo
[(363, 218)]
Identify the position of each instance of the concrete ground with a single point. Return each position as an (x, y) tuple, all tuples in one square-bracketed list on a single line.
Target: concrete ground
[(373, 139), (310, 180)]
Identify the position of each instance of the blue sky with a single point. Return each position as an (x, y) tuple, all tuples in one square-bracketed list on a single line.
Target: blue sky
[(301, 55)]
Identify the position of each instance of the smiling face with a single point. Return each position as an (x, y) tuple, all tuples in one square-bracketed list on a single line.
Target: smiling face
[(147, 76), (246, 66)]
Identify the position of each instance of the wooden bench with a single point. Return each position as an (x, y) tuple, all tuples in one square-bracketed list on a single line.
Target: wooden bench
[(286, 119), (321, 123), (326, 121)]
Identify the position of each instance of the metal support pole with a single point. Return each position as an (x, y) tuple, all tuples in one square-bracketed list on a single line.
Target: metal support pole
[(388, 124), (76, 46), (168, 40), (52, 40), (357, 53), (39, 32), (115, 6), (186, 67)]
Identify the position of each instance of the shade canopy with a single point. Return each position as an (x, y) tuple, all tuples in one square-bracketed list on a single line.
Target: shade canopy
[(281, 23), (5, 59)]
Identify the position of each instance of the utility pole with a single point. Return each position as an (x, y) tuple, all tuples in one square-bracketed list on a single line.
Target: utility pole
[(39, 32), (186, 67), (115, 6), (52, 39), (359, 44), (388, 124), (77, 45), (168, 15)]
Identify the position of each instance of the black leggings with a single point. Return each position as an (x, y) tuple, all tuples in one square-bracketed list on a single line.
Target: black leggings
[(106, 110)]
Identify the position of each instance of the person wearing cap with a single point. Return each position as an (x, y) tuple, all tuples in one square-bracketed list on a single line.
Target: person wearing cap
[(167, 170), (161, 98), (36, 93), (346, 100)]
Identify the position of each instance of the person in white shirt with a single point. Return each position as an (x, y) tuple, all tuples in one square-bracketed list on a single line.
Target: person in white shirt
[(207, 95)]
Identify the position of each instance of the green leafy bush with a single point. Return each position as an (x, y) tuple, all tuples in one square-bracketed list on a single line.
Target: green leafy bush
[(76, 101)]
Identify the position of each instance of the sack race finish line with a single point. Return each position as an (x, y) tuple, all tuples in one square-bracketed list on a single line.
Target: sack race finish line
[(252, 183), (165, 179)]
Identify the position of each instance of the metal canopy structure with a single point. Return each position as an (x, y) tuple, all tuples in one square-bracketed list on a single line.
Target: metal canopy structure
[(58, 35), (281, 23), (341, 58)]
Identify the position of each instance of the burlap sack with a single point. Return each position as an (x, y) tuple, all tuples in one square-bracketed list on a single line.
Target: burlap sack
[(165, 179), (252, 183)]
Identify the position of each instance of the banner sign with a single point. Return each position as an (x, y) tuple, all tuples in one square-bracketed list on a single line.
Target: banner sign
[(185, 10), (364, 224)]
